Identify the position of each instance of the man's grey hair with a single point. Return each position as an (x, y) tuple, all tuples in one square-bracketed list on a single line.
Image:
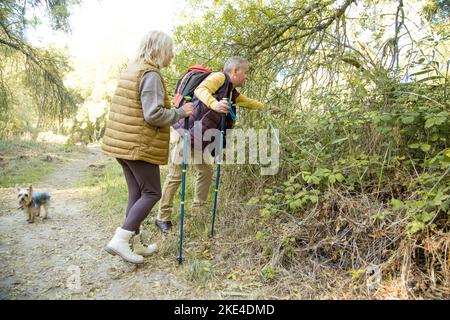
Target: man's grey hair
[(234, 62)]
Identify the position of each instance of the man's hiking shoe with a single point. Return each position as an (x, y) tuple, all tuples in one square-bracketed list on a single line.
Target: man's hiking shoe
[(164, 226)]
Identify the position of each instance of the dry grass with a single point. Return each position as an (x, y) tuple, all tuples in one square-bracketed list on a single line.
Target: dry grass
[(333, 250)]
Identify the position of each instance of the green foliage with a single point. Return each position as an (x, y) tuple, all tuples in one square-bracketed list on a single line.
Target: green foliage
[(269, 274), (431, 203), (32, 78), (88, 127)]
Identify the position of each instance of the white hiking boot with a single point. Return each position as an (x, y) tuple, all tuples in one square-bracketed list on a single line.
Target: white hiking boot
[(142, 250), (120, 245)]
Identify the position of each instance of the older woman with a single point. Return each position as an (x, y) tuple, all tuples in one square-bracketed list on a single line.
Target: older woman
[(137, 135)]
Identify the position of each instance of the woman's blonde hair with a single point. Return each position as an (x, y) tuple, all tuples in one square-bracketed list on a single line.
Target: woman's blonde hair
[(156, 47)]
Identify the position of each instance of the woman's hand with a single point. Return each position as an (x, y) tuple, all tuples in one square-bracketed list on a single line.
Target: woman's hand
[(188, 108)]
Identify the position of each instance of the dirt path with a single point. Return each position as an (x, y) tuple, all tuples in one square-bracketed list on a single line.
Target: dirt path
[(63, 257)]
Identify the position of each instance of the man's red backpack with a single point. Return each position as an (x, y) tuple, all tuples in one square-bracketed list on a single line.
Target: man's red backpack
[(188, 83)]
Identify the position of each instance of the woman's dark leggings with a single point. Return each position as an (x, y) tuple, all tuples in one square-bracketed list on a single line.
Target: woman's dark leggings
[(144, 191)]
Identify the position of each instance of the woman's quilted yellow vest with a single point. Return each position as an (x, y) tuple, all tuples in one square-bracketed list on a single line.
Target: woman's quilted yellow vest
[(127, 135)]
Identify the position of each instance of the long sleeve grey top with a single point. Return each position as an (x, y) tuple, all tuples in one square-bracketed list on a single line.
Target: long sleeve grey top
[(152, 99)]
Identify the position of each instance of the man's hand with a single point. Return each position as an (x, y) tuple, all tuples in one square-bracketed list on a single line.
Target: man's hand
[(220, 106)]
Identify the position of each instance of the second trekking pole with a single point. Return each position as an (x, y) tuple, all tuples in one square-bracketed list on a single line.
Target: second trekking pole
[(219, 160)]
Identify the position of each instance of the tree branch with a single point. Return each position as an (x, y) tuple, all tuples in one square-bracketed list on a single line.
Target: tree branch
[(337, 14)]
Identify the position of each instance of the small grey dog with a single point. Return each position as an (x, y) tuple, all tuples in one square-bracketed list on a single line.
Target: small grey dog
[(31, 202)]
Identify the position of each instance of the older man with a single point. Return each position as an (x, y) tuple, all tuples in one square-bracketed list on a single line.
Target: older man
[(209, 105)]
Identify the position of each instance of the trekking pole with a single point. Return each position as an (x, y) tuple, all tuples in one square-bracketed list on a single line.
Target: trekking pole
[(183, 180), (216, 190)]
